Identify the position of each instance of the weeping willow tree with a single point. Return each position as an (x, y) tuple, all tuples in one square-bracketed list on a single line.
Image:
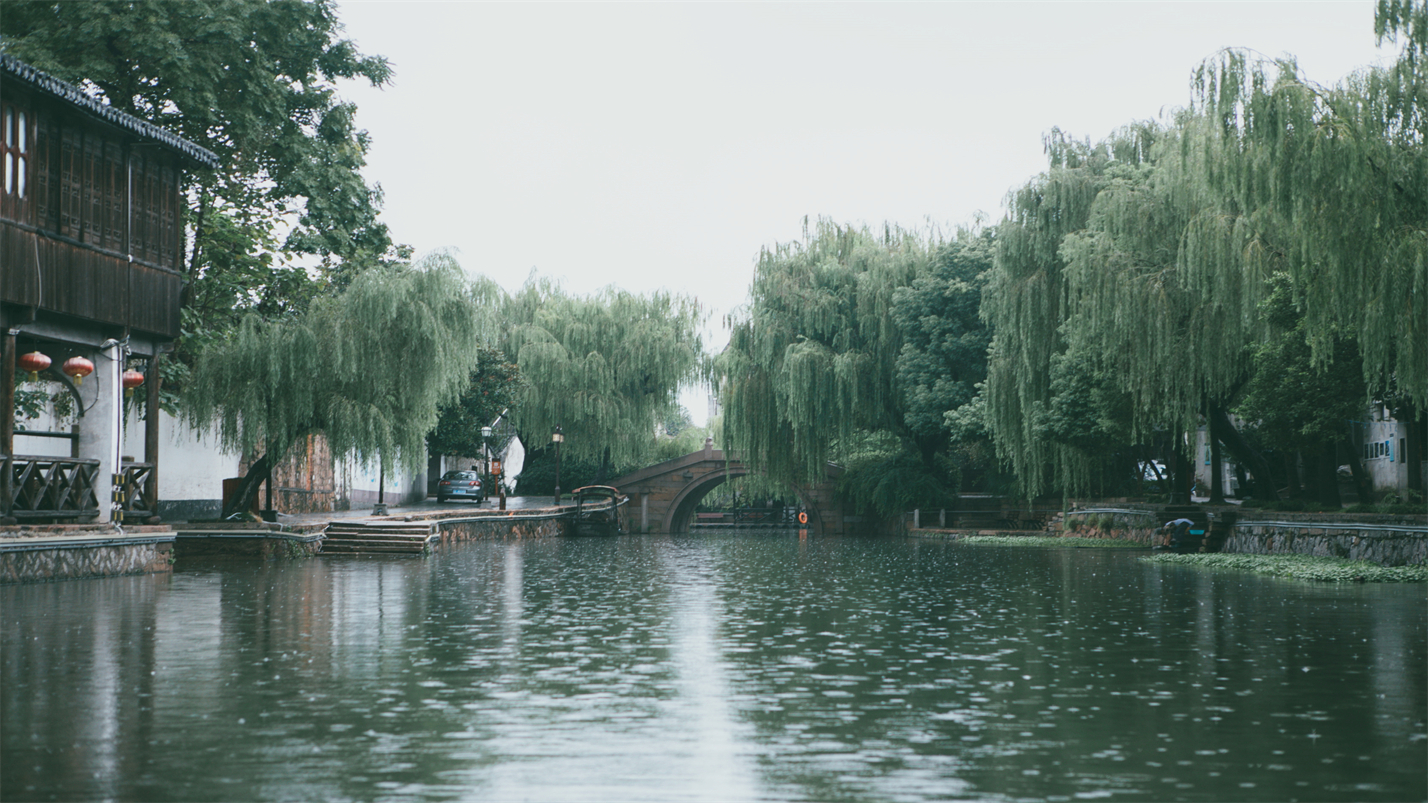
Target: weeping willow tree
[(606, 368), (1025, 305), (1149, 257), (1339, 176), (367, 368), (1159, 287), (811, 362)]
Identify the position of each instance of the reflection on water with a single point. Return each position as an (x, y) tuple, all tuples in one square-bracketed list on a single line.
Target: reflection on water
[(743, 667)]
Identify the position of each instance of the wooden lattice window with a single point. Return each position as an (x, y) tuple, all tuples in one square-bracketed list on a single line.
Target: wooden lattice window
[(15, 158)]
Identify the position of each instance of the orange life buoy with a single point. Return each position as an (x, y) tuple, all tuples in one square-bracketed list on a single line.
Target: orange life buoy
[(802, 517)]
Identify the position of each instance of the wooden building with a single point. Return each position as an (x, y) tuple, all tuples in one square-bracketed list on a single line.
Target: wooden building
[(91, 252)]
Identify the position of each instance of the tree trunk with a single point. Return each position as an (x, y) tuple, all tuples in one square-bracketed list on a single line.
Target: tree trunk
[(260, 471), (1322, 476), (1183, 477), (1415, 430), (604, 471), (1291, 470), (7, 424), (1217, 465), (1362, 483), (1241, 448)]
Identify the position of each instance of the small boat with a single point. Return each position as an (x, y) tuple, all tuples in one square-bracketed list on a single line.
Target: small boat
[(597, 510)]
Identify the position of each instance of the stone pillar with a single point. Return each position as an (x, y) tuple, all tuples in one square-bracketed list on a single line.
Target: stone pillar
[(644, 510), (100, 434)]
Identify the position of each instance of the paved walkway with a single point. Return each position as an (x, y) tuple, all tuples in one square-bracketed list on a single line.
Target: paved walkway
[(423, 507)]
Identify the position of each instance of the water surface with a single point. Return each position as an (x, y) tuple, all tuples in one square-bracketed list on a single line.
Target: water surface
[(719, 668)]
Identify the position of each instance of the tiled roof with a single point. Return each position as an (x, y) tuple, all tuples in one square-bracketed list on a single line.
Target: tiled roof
[(14, 68)]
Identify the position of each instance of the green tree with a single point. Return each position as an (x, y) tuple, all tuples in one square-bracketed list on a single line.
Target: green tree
[(254, 81), (606, 368), (943, 361), (811, 364), (495, 386), (1139, 305), (1300, 404), (1025, 305), (344, 368), (1339, 177)]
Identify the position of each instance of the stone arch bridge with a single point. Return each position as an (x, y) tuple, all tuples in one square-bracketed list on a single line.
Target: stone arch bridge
[(663, 496)]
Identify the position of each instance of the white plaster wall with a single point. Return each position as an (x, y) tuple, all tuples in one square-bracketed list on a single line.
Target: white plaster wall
[(1385, 464), (44, 447), (1203, 466), (359, 483), (514, 462), (191, 464)]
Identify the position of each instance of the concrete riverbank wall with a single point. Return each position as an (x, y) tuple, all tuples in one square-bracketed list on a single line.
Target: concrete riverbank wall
[(37, 553), (260, 540), (500, 529), (40, 553)]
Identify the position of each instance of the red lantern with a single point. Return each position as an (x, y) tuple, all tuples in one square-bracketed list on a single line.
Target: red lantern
[(77, 368), (34, 362), (131, 379)]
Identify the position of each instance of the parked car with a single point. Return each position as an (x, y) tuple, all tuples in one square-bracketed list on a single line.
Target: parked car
[(460, 485)]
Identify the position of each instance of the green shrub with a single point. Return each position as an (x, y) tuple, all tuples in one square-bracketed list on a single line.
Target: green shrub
[(1311, 568), (1044, 541)]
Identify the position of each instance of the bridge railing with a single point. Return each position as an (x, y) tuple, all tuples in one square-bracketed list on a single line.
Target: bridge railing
[(748, 517)]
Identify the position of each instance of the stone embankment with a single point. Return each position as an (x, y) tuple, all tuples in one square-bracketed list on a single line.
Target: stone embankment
[(45, 552), (1384, 539)]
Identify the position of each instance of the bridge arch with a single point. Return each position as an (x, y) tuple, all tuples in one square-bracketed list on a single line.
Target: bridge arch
[(664, 495)]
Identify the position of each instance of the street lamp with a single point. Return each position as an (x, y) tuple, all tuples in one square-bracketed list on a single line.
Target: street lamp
[(486, 449), (557, 438)]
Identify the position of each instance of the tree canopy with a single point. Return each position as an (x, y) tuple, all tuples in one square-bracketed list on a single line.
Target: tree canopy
[(495, 386), (1142, 265), (813, 358), (368, 367), (606, 368), (944, 340), (1335, 179)]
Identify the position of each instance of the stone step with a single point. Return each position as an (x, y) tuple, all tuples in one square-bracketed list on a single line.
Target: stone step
[(352, 547), (415, 543), (331, 535), (424, 529), (389, 539)]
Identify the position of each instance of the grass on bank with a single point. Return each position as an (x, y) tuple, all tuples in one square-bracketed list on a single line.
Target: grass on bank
[(1035, 540), (1312, 568)]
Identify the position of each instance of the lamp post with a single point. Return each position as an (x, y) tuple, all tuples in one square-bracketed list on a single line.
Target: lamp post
[(486, 448), (557, 438)]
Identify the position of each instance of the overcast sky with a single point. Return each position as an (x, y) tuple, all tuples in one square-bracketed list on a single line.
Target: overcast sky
[(660, 145)]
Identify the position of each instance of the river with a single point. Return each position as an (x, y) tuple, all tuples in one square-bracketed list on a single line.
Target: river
[(751, 667)]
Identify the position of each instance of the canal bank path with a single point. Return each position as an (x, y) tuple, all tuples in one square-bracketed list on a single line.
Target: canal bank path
[(426, 508)]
